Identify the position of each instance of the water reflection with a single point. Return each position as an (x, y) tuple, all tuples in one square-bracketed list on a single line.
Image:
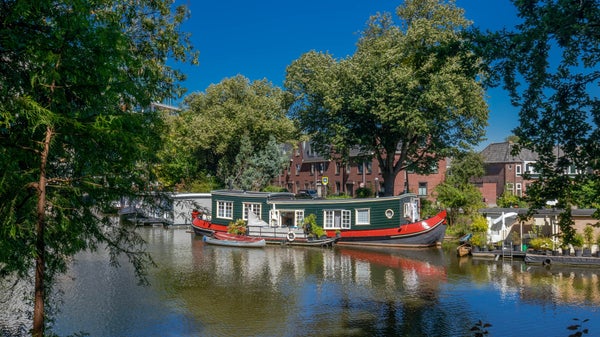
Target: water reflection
[(201, 290)]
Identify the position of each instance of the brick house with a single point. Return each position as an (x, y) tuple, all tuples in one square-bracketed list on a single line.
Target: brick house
[(504, 171), (307, 169)]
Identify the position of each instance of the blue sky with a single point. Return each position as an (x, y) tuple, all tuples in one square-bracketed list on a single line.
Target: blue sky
[(259, 39)]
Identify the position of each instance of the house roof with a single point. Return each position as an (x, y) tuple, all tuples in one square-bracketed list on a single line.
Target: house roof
[(501, 153)]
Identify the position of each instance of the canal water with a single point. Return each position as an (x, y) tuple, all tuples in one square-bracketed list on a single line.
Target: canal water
[(201, 290)]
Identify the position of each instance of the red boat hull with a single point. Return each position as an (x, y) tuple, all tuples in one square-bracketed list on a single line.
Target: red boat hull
[(424, 233)]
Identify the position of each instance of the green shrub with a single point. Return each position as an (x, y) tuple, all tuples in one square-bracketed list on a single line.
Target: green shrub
[(479, 224), (364, 192), (588, 234), (541, 243), (273, 188), (479, 239), (238, 227), (577, 240), (311, 227)]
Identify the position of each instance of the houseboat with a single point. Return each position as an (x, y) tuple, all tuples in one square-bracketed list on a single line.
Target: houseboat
[(280, 218)]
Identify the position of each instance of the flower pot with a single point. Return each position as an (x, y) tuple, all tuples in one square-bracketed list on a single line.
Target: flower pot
[(578, 252)]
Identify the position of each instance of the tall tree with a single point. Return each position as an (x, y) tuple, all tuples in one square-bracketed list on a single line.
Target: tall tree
[(217, 122), (550, 65), (457, 193), (409, 95), (71, 75)]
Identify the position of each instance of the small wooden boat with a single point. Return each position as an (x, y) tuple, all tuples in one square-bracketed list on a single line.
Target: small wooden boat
[(232, 240), (463, 250)]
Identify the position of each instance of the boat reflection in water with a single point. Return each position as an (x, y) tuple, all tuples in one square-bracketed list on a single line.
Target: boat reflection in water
[(340, 291)]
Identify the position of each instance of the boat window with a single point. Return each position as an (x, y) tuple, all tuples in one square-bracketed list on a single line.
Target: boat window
[(336, 219), (299, 218), (363, 216), (252, 207), (225, 209)]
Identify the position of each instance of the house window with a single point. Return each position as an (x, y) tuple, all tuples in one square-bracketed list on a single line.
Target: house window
[(336, 219), (519, 189), (360, 168), (225, 209), (369, 166), (348, 168), (572, 170), (321, 167), (422, 189), (312, 169), (529, 168), (297, 169), (252, 207), (510, 188), (363, 216), (518, 170), (337, 168)]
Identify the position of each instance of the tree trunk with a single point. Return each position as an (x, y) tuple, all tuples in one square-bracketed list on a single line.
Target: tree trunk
[(40, 246), (389, 181)]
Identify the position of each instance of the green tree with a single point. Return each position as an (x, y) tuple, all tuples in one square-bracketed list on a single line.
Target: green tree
[(549, 64), (253, 171), (456, 193), (508, 199), (71, 74), (408, 97), (216, 123)]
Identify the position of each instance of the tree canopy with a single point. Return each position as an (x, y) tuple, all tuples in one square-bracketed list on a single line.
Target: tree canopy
[(409, 96), (457, 193), (549, 64), (233, 118), (74, 76)]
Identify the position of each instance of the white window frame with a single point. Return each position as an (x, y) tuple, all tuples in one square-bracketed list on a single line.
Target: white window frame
[(530, 167), (359, 212), (329, 219), (299, 218), (518, 170), (422, 188), (256, 208), (225, 209)]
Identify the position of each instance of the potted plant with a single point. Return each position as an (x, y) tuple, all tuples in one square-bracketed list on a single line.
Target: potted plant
[(564, 247), (477, 241), (588, 235), (238, 227), (541, 245), (311, 228), (479, 227), (578, 244), (516, 241)]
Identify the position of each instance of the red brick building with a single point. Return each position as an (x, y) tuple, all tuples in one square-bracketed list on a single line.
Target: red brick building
[(307, 170), (504, 171)]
